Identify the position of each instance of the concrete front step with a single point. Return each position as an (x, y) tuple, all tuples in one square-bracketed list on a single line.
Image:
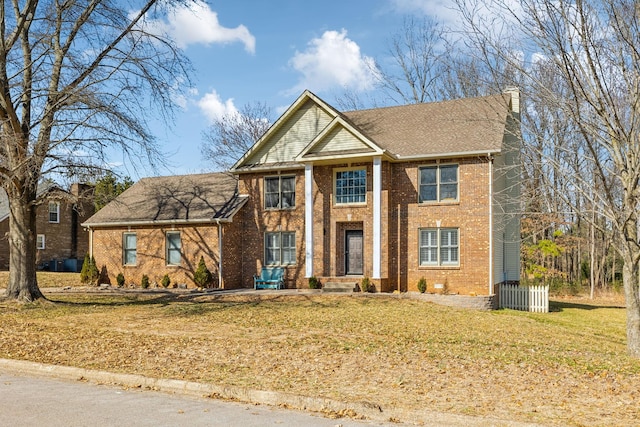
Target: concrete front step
[(338, 287)]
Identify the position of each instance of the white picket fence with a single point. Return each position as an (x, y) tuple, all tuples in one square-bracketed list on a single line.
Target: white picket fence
[(525, 298)]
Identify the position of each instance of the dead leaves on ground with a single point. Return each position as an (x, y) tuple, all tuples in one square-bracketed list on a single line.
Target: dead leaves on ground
[(567, 367)]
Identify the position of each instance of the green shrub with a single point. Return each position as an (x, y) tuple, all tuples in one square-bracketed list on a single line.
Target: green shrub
[(366, 285), (202, 277), (165, 281), (422, 285), (120, 280), (89, 273), (314, 283), (84, 273), (145, 281)]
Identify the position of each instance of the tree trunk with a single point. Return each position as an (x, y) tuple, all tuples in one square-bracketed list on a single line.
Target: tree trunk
[(630, 278), (23, 284)]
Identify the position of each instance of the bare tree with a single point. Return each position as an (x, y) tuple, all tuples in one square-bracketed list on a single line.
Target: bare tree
[(592, 47), (412, 71), (427, 62), (230, 136), (78, 80)]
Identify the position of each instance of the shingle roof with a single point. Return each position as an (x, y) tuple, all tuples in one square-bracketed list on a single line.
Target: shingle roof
[(458, 126), (175, 199)]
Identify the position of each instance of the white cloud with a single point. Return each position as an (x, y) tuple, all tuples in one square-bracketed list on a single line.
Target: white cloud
[(448, 12), (215, 108), (333, 60), (195, 23), (442, 10)]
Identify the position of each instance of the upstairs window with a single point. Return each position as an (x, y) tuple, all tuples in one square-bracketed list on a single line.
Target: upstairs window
[(129, 249), (173, 244), (438, 183), (280, 192), (54, 212), (351, 186), (439, 247)]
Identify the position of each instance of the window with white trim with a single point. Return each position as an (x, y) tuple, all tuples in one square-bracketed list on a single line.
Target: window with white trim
[(129, 248), (280, 248), (439, 247), (54, 212), (40, 241), (351, 186), (173, 244), (438, 183), (279, 192)]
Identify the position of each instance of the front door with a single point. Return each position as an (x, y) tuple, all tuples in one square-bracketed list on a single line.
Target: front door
[(353, 252)]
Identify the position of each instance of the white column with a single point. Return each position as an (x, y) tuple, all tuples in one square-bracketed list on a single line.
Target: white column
[(377, 215), (308, 218)]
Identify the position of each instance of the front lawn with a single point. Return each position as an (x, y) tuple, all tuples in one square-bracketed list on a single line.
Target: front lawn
[(565, 367)]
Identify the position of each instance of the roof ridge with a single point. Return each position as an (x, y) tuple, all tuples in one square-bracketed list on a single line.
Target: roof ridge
[(444, 101)]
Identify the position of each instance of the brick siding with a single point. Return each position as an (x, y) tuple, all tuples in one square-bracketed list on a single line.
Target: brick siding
[(196, 241), (401, 218)]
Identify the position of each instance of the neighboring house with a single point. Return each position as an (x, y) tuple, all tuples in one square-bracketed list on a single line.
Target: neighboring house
[(61, 242), (164, 225), (393, 194)]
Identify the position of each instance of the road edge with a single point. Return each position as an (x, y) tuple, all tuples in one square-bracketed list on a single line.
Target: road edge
[(327, 407)]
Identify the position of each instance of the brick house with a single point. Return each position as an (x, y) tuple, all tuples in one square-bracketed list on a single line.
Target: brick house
[(163, 225), (61, 242), (393, 194)]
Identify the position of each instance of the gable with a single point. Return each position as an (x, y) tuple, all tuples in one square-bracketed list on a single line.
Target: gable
[(340, 139), (291, 136)]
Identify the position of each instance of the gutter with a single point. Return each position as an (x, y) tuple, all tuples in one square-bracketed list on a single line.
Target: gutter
[(163, 222), (452, 154), (385, 153)]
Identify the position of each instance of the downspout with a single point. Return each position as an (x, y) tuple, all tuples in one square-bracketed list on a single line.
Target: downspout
[(220, 280), (90, 242), (490, 158)]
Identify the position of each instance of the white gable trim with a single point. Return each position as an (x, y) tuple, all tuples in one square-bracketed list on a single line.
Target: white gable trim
[(338, 121), (302, 99)]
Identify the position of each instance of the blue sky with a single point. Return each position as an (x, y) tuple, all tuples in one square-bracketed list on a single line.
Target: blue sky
[(247, 51)]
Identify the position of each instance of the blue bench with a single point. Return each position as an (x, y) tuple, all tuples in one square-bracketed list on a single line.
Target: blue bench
[(269, 278)]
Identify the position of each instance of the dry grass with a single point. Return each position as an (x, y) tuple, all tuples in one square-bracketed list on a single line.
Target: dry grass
[(47, 279), (566, 367)]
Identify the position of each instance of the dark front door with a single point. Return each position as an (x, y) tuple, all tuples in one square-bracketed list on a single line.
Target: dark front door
[(353, 252)]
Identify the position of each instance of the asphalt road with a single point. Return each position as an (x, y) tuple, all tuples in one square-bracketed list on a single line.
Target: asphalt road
[(33, 401)]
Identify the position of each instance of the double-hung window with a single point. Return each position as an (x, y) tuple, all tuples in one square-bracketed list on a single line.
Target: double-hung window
[(40, 241), (439, 247), (351, 186), (438, 183), (129, 248), (54, 212), (173, 245), (280, 248), (279, 192)]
